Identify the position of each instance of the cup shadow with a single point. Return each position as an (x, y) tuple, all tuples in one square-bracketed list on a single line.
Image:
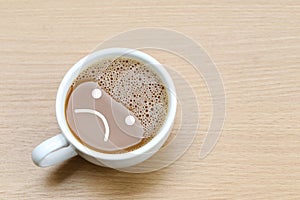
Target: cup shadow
[(97, 178)]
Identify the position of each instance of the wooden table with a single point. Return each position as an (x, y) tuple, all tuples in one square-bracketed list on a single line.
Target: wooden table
[(256, 46)]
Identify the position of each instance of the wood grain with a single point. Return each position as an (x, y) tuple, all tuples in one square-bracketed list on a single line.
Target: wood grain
[(256, 46)]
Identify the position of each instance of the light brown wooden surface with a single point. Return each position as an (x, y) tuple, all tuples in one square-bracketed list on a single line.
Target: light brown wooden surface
[(256, 46)]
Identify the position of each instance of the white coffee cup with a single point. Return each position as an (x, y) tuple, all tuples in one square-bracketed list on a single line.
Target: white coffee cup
[(64, 146)]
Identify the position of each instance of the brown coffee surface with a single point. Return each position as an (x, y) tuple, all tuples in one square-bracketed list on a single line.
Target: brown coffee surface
[(128, 82)]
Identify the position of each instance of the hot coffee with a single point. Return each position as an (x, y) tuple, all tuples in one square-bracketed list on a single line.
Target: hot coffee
[(116, 105)]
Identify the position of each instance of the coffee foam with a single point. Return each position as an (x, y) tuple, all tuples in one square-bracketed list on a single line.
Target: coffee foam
[(134, 85)]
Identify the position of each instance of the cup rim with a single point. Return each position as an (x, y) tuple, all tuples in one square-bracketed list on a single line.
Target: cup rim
[(74, 72)]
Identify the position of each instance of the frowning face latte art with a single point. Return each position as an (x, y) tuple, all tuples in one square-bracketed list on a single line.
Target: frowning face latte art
[(116, 105)]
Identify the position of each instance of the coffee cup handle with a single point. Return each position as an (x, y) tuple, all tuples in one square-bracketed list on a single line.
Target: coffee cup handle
[(53, 151)]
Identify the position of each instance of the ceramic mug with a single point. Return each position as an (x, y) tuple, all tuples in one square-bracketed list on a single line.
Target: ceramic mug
[(65, 145)]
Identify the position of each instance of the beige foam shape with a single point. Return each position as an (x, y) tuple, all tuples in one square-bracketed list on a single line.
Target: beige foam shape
[(100, 121)]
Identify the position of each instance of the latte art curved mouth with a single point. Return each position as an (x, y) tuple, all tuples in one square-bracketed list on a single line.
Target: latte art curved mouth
[(98, 114), (129, 120)]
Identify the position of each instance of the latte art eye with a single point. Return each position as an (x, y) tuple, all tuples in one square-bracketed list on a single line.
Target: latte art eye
[(129, 120), (96, 93)]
